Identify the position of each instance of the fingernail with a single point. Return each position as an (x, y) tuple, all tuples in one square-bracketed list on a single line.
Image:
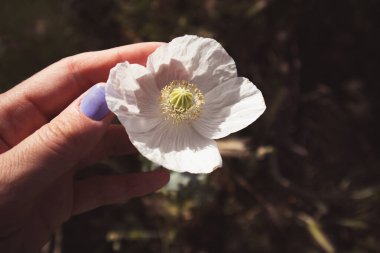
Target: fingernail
[(94, 104)]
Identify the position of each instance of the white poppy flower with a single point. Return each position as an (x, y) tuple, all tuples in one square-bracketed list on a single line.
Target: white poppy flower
[(188, 95)]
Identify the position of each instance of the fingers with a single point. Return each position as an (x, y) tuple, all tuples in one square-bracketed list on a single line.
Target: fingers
[(115, 142), (4, 146), (72, 76), (99, 191), (59, 145), (34, 102)]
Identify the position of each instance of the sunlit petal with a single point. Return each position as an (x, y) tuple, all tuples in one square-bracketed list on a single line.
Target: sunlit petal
[(201, 61), (230, 107), (131, 92), (178, 148)]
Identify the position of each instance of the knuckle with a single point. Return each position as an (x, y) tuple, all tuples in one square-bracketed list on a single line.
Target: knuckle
[(58, 137), (73, 63), (73, 66), (7, 177)]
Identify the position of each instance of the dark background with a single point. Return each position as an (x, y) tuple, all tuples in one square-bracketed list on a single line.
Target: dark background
[(309, 181)]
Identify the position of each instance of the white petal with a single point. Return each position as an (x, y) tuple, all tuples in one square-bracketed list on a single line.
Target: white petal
[(131, 93), (179, 148), (229, 107), (202, 61)]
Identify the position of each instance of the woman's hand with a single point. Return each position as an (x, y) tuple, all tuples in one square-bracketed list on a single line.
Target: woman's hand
[(48, 131)]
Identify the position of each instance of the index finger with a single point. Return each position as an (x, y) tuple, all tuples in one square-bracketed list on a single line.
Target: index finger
[(54, 88), (37, 100)]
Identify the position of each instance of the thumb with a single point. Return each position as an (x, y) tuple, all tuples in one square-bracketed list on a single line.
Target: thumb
[(59, 145)]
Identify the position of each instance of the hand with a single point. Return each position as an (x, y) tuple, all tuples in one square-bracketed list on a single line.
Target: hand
[(48, 131)]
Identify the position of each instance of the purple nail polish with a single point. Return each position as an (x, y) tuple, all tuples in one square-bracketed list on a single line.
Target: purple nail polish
[(94, 104)]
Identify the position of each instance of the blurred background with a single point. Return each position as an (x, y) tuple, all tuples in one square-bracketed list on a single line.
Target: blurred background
[(305, 177)]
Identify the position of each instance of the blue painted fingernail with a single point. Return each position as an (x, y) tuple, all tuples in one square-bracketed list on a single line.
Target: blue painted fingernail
[(94, 104)]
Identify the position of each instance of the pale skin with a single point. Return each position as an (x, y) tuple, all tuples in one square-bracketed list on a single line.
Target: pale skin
[(45, 139)]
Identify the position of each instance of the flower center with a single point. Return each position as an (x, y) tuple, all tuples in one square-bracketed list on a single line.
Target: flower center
[(181, 101)]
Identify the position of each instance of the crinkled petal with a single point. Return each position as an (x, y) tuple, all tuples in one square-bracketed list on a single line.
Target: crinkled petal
[(131, 93), (201, 61), (230, 107), (179, 148)]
